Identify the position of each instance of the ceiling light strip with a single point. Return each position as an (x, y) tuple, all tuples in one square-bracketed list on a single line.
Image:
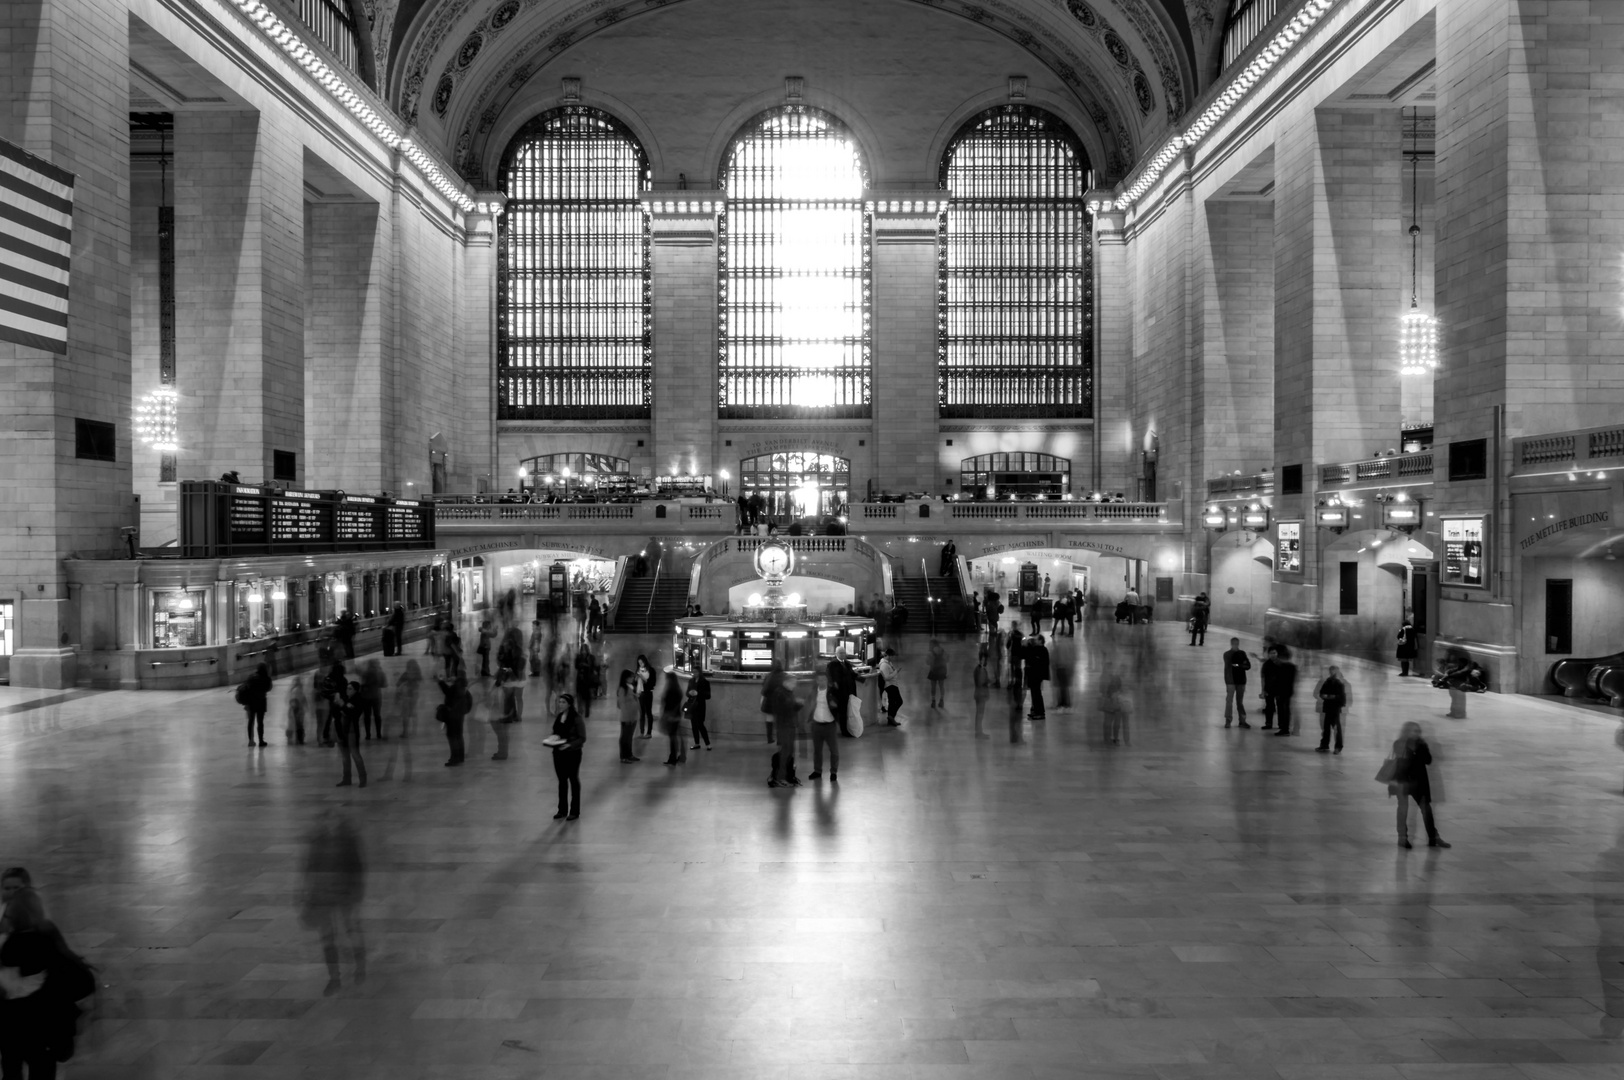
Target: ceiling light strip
[(1301, 23), (338, 87)]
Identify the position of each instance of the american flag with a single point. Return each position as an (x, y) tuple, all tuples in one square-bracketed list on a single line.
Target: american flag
[(36, 241)]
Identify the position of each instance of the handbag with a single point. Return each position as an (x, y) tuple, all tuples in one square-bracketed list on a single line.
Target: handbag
[(1384, 775), (854, 716)]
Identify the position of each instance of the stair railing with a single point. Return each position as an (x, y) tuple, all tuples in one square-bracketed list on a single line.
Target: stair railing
[(653, 590), (930, 600)]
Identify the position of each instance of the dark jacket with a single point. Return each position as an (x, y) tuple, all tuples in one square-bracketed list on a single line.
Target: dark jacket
[(841, 677), (1333, 694), (1406, 643), (1037, 662), (699, 692), (569, 726), (255, 690), (1236, 665), (1200, 611), (44, 1019), (1410, 768), (1279, 678)]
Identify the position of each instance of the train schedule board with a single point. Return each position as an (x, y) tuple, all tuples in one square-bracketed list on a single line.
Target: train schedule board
[(222, 519)]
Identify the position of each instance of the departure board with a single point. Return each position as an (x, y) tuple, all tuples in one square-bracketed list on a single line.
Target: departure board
[(245, 519)]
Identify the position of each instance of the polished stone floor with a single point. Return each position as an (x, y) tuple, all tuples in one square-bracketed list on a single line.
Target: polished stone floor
[(1196, 903)]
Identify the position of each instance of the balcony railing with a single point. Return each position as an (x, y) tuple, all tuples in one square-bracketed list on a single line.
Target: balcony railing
[(1379, 472), (462, 513), (1588, 448)]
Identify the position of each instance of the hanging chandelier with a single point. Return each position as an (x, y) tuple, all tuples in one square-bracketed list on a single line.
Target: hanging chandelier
[(157, 419), (1418, 331)]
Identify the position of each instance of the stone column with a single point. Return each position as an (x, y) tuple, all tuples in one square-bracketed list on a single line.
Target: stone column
[(64, 97), (907, 447), (476, 348), (1114, 467), (1337, 304), (240, 291), (683, 421), (346, 403)]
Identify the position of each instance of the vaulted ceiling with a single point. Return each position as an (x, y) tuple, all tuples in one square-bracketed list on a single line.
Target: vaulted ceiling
[(451, 67)]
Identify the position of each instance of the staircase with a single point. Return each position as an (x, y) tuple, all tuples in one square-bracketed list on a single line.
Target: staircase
[(948, 609), (637, 615)]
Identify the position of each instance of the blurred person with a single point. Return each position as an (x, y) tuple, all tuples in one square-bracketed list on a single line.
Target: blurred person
[(981, 682), (1037, 673), (43, 979), (1061, 664), (586, 679), (770, 686), (453, 711), (786, 709), (334, 886), (671, 720), (821, 723), (487, 634), (347, 730), (1236, 665), (510, 653), (843, 683), (298, 709), (335, 693), (536, 647), (503, 701), (453, 658), (1333, 699), (626, 704), (408, 688), (373, 682), (397, 623), (995, 656), (252, 695), (1279, 676), (568, 727), (889, 673), (1114, 706), (644, 674), (1017, 659), (936, 674), (695, 705), (13, 881), (436, 646), (1411, 756)]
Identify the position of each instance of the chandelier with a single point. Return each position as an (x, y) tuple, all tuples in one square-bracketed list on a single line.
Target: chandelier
[(157, 420), (1418, 331)]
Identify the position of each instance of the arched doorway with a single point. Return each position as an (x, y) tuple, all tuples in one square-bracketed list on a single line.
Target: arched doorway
[(797, 483), (1022, 474)]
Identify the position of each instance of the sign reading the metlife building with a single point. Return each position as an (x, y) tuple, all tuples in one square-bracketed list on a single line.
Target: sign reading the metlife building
[(1562, 523)]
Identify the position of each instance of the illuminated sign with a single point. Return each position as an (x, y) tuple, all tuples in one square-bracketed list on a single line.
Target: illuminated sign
[(1255, 519), (219, 519), (1463, 551), (1401, 515), (1333, 517), (1214, 519), (1290, 547)]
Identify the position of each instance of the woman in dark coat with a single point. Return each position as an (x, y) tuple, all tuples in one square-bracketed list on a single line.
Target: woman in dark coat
[(699, 692), (1406, 646), (671, 719), (44, 979), (567, 725), (1411, 756), (253, 698)]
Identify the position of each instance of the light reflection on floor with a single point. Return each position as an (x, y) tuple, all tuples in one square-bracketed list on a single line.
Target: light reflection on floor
[(1196, 903)]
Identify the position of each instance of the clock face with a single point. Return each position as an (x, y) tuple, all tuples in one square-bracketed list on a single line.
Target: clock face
[(773, 560)]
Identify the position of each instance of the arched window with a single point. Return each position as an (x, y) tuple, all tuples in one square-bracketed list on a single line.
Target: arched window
[(1016, 473), (1016, 336), (572, 300), (797, 483), (793, 336), (333, 26), (1247, 19)]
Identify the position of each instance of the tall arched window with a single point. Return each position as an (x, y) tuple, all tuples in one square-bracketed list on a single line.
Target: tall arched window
[(793, 335), (573, 326), (1016, 334)]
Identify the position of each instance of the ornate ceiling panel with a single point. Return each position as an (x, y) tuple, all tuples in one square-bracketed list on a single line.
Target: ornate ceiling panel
[(457, 63)]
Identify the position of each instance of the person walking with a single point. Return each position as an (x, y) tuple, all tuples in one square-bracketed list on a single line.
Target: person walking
[(785, 708), (950, 555), (453, 711), (335, 691), (252, 695), (821, 722), (586, 679), (370, 698), (1200, 612), (487, 634), (995, 656), (1236, 665), (1408, 647), (936, 673), (408, 687), (1037, 673), (892, 692), (981, 681), (626, 705), (1333, 699), (347, 730), (298, 709), (1017, 656), (42, 979), (1279, 683), (505, 707), (536, 647), (644, 674), (344, 634), (397, 623), (570, 730), (695, 705), (671, 720), (334, 886), (1410, 759), (1114, 707)]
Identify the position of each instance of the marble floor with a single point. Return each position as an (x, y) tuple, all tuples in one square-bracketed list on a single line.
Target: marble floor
[(1196, 903)]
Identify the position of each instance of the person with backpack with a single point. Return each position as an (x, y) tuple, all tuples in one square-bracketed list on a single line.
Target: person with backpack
[(43, 981), (453, 711), (252, 695)]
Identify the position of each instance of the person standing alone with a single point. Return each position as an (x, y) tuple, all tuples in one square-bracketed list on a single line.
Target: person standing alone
[(1037, 673), (1200, 612), (824, 733), (1410, 759), (1333, 699), (1407, 647), (1236, 665)]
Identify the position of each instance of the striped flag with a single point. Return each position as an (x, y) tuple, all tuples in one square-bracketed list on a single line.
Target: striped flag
[(36, 241)]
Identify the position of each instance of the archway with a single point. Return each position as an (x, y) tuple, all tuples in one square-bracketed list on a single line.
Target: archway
[(1242, 581), (797, 483)]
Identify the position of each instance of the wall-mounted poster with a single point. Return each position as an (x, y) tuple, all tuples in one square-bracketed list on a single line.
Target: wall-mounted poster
[(1463, 551), (1290, 547)]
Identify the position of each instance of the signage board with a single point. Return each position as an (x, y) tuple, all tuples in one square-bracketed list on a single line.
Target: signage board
[(243, 519)]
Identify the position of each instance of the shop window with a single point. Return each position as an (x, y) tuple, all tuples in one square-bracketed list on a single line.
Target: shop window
[(793, 307), (1469, 460), (94, 440), (179, 619), (1291, 479), (1348, 593), (1559, 615), (1463, 551), (1015, 336)]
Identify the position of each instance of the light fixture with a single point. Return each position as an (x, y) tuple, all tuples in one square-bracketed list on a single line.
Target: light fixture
[(278, 594), (157, 419), (1418, 331), (256, 597), (183, 602)]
